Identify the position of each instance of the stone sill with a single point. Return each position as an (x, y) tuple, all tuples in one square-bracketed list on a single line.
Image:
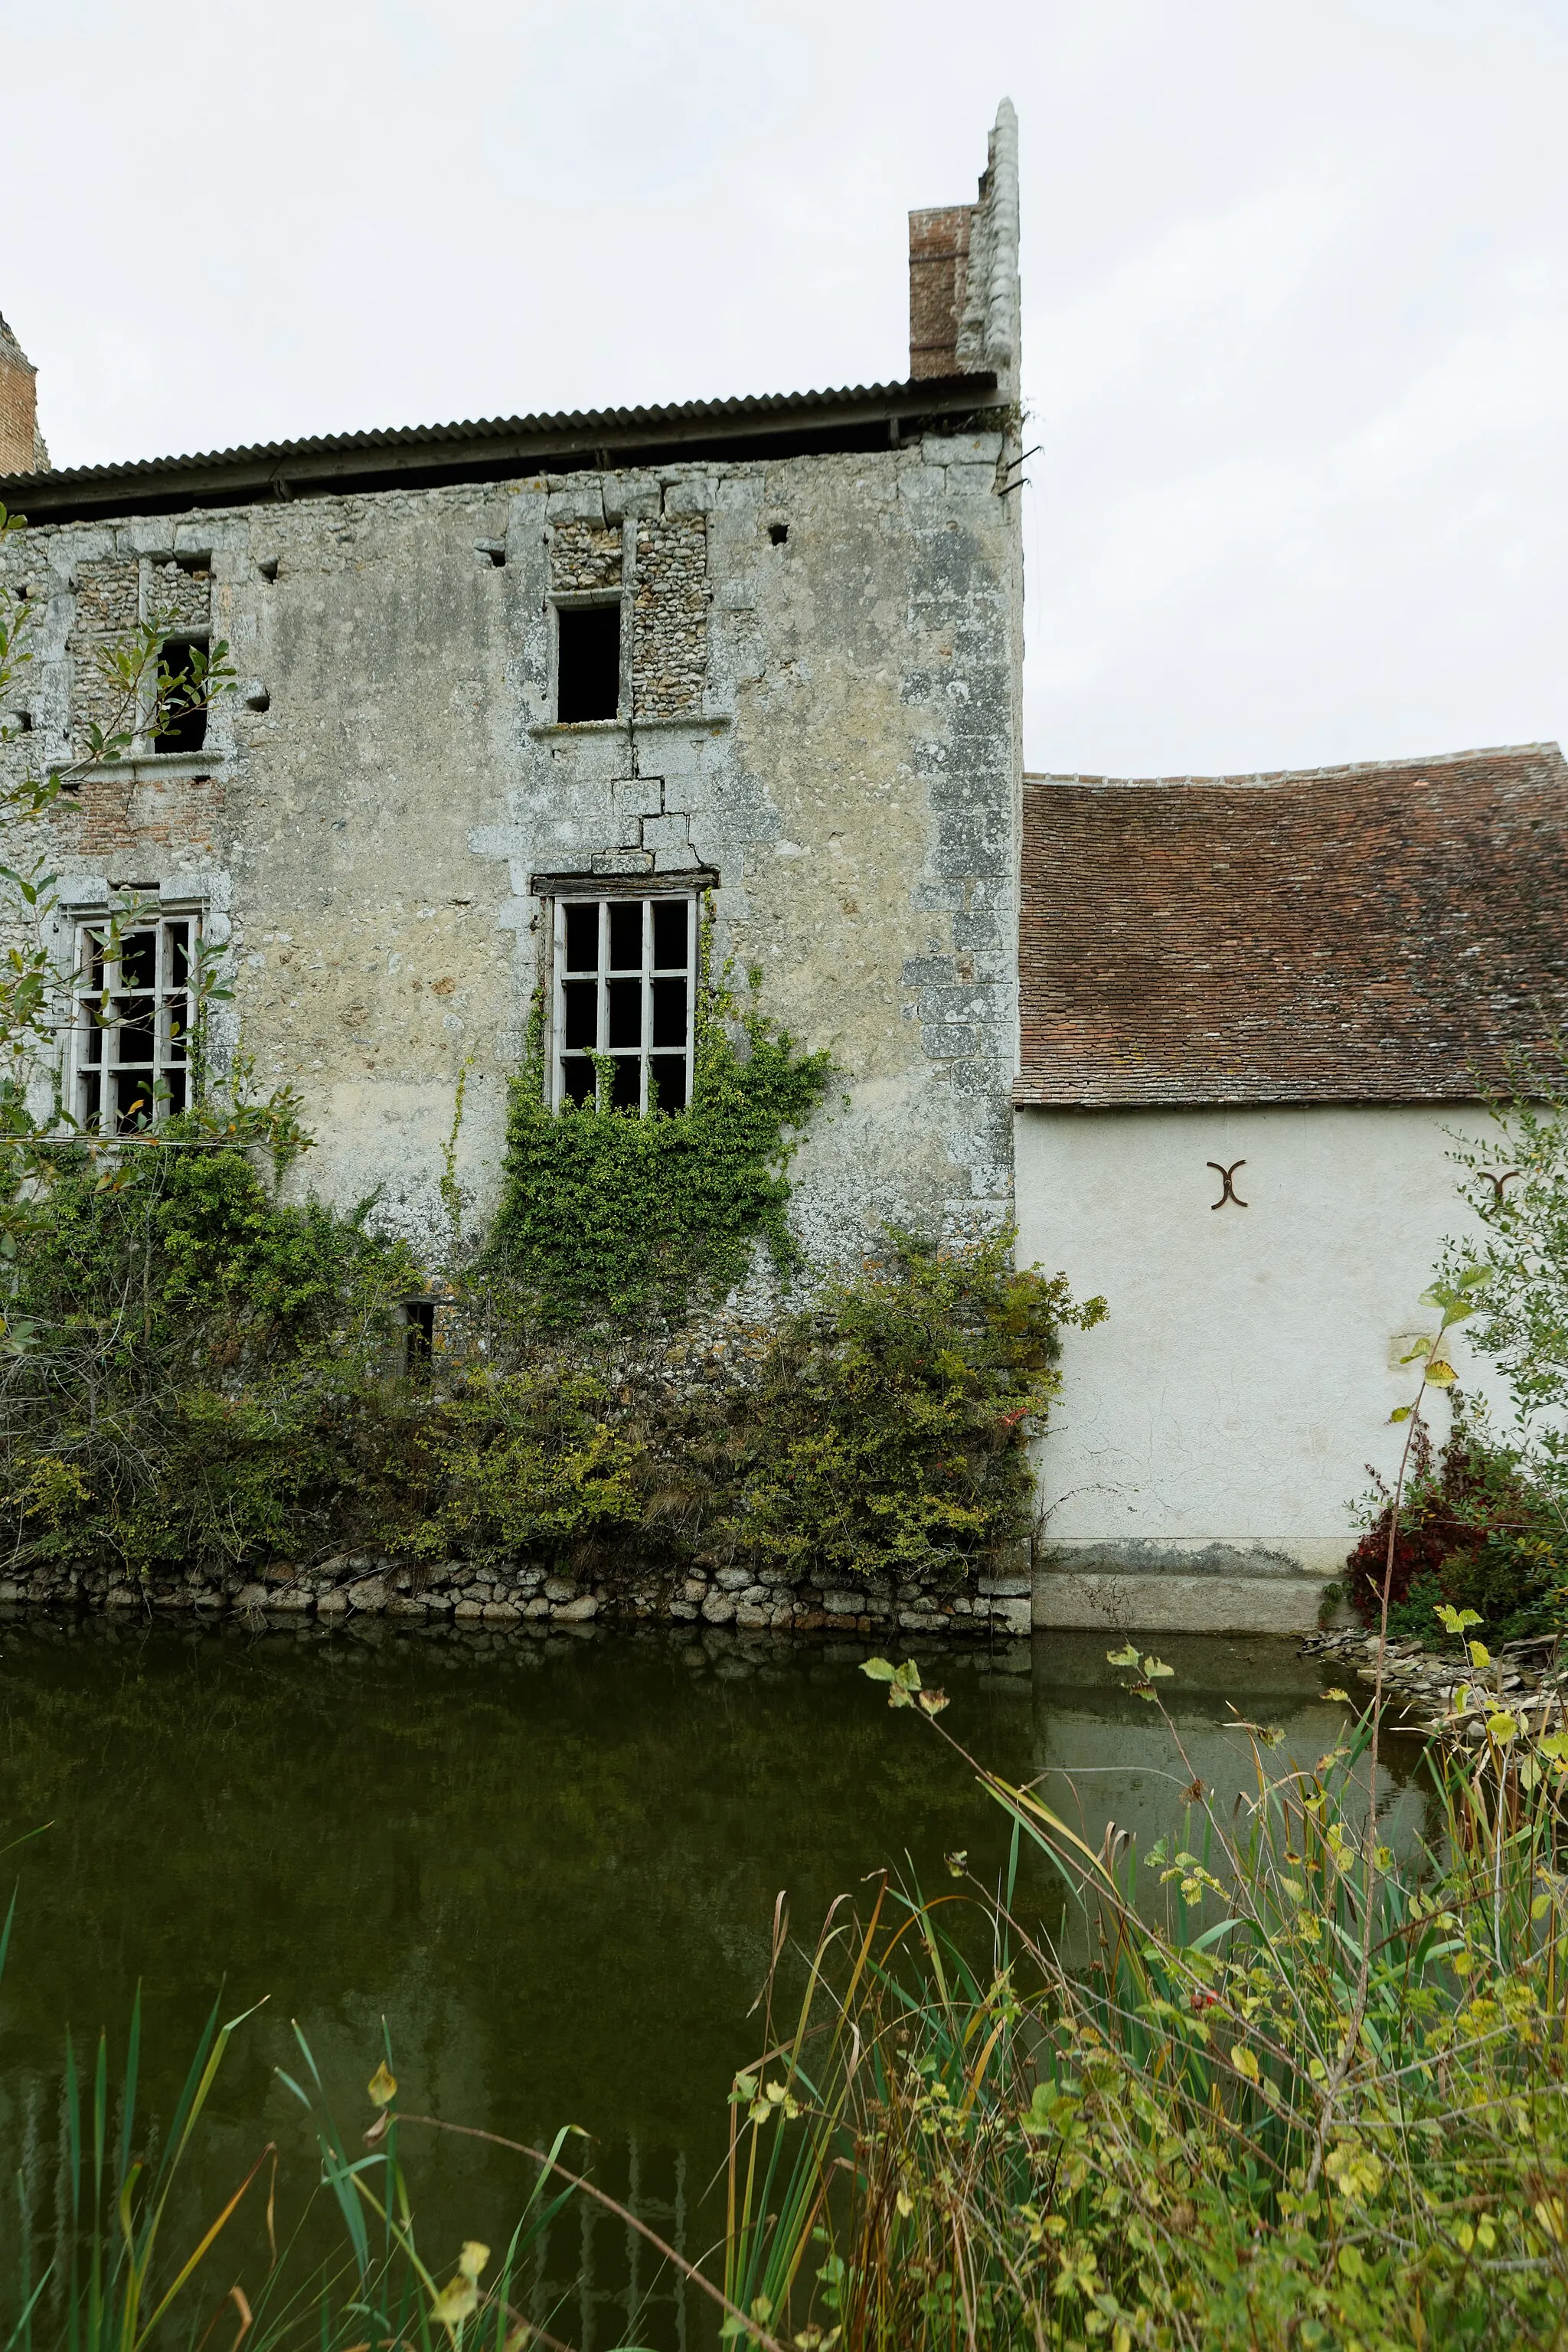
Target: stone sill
[(712, 722), (148, 768)]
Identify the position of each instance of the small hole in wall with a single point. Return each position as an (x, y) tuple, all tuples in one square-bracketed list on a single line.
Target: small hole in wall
[(268, 569), (24, 722), (494, 548), (778, 533)]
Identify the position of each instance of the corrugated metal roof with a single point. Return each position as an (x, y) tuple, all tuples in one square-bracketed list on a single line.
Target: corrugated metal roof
[(489, 448)]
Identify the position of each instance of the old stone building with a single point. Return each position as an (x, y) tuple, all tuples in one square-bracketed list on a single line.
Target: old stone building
[(515, 695)]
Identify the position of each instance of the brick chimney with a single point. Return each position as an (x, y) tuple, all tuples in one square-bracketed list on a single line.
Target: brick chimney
[(22, 449), (964, 273)]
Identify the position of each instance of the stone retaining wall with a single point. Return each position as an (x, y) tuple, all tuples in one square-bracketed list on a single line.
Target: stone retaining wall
[(362, 1585)]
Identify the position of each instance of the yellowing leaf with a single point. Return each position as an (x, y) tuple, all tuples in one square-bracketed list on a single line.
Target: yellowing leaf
[(1127, 1657), (1480, 1656), (458, 2300), (1244, 2061), (473, 2258), (1440, 1372), (1402, 1413), (1503, 1727), (383, 2086), (905, 2203), (1334, 1692)]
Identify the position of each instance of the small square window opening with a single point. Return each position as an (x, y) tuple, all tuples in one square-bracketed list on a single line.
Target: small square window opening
[(587, 662), (133, 1006), (183, 721), (626, 978)]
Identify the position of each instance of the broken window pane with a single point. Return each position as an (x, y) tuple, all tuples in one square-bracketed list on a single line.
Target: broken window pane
[(183, 721), (645, 1023), (133, 1009)]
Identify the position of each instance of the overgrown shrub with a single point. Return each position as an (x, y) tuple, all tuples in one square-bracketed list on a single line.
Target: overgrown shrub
[(608, 1217), (1486, 1525), (203, 1376), (886, 1434), (185, 1353), (1475, 1530)]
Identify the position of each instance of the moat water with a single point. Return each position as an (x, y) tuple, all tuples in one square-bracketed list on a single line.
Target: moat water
[(549, 1866)]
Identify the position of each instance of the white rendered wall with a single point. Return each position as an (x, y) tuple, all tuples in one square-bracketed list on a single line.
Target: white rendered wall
[(1220, 1421)]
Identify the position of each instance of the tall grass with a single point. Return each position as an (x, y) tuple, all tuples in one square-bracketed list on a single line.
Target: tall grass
[(122, 2268), (1302, 2095)]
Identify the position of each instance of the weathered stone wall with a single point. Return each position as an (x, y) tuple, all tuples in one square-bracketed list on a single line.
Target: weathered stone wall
[(669, 617), (824, 653), (365, 1585)]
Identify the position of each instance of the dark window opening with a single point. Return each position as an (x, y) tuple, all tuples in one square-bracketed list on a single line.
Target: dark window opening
[(625, 937), (578, 1080), (583, 939), (671, 934), (666, 1081), (778, 533), (582, 1015), (182, 718), (588, 662), (627, 1092), (419, 1334), (626, 1012), (669, 1013)]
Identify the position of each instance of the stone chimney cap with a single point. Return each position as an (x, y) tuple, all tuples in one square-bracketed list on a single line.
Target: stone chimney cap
[(964, 273)]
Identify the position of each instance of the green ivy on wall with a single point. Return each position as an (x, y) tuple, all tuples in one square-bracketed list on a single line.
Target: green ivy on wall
[(609, 1215)]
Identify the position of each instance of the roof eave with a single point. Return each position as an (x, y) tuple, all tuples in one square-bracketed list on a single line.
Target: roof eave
[(421, 456)]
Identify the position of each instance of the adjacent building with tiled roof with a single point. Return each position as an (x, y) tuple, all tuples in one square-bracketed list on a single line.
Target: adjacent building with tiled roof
[(1258, 1015), (1395, 931)]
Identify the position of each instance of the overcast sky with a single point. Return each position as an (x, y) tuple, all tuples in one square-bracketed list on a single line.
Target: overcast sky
[(1296, 333)]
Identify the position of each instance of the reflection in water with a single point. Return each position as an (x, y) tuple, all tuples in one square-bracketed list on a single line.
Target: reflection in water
[(1101, 1755), (550, 1864)]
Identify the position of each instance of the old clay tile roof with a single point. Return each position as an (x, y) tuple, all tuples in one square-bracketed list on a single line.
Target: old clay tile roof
[(1378, 933)]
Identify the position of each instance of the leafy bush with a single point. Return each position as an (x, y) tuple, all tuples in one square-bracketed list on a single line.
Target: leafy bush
[(1475, 1530), (183, 1352), (886, 1432)]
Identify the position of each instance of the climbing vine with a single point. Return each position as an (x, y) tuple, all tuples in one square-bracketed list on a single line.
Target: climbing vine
[(607, 1215)]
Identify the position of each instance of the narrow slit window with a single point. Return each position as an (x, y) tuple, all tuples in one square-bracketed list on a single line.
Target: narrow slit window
[(587, 662), (624, 987), (134, 1008), (182, 719)]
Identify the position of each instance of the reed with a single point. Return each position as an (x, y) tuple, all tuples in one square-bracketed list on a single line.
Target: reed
[(1302, 2092)]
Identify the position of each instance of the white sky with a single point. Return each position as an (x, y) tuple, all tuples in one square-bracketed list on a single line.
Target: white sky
[(1295, 288)]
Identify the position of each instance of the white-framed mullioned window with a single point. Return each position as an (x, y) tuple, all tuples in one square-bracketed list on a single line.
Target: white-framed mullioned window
[(625, 984), (132, 1014)]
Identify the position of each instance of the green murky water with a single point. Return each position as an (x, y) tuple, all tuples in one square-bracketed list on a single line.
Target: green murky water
[(550, 1865)]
